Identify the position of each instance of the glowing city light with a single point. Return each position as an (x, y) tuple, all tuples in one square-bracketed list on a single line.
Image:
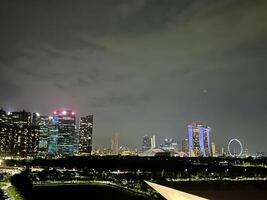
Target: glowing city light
[(64, 112), (55, 112), (73, 113), (38, 114)]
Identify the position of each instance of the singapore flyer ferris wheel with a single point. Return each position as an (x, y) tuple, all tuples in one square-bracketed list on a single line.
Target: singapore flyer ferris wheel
[(235, 148)]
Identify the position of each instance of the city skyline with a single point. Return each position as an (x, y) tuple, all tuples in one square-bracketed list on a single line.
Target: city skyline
[(140, 67), (60, 133)]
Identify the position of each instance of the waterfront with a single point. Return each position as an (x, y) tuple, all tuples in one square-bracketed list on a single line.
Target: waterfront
[(91, 191), (225, 190)]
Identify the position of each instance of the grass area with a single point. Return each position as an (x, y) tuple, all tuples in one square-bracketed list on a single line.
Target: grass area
[(14, 193), (2, 184)]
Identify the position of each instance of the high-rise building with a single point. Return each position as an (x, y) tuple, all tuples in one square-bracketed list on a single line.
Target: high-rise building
[(64, 121), (76, 141), (213, 149), (185, 146), (153, 142), (199, 140), (52, 138), (115, 144), (146, 143), (43, 122), (85, 136), (18, 136)]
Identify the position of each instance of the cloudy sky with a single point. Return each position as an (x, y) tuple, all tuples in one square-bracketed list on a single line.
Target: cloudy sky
[(140, 66)]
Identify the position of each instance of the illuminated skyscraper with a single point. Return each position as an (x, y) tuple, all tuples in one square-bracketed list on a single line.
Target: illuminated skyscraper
[(43, 122), (86, 131), (213, 149), (199, 140), (18, 136), (64, 121), (153, 142), (185, 147), (52, 138)]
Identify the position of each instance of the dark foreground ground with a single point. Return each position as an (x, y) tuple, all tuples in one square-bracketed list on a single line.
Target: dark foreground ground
[(85, 192), (211, 190)]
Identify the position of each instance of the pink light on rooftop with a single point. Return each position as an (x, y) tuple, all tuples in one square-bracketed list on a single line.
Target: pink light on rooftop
[(64, 112)]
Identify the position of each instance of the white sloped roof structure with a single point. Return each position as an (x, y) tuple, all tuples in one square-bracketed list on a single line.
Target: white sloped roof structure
[(172, 194)]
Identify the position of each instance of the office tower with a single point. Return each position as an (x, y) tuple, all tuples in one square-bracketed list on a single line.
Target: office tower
[(19, 122), (52, 138), (115, 144), (43, 122), (32, 140), (146, 143), (35, 117), (199, 140), (64, 121), (4, 136), (185, 146), (153, 142), (213, 149), (18, 136), (86, 131), (76, 141)]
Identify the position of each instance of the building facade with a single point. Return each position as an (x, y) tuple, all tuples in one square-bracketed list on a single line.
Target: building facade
[(115, 144), (146, 143), (64, 125), (85, 134), (199, 140), (43, 122), (185, 148), (18, 135)]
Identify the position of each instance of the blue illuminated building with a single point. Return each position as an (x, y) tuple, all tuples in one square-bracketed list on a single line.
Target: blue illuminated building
[(199, 140), (62, 133)]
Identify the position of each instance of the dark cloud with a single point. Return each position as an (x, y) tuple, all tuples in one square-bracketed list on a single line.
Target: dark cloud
[(9, 90), (140, 66)]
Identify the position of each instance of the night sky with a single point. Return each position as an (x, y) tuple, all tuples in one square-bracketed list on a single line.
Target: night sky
[(140, 66)]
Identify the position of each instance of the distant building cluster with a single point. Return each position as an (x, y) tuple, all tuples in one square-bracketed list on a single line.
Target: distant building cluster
[(62, 133), (27, 134), (198, 143)]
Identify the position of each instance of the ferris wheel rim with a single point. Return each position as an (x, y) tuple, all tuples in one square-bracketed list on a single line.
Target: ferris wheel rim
[(240, 144)]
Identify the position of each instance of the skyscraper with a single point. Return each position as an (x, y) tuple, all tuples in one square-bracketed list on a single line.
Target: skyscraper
[(115, 144), (153, 142), (199, 140), (52, 137), (213, 149), (18, 136), (185, 146), (85, 136), (64, 121), (146, 143), (43, 122)]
